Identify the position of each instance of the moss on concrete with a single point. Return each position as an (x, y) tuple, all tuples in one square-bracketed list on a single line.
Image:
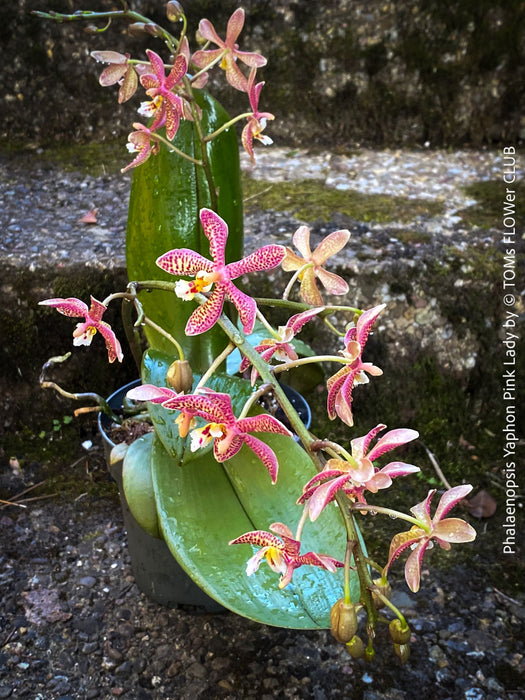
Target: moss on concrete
[(490, 196), (310, 200)]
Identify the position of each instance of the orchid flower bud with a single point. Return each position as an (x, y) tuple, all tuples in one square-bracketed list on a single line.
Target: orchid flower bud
[(180, 376), (402, 651), (399, 631), (355, 647), (343, 621), (382, 587), (137, 29), (152, 29), (174, 11)]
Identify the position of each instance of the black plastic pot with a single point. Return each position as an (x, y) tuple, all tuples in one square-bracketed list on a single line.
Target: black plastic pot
[(157, 573)]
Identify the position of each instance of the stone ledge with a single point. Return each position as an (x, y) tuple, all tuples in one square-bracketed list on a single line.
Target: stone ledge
[(438, 342)]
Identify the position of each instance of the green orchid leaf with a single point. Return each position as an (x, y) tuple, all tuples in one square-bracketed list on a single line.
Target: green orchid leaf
[(138, 484), (167, 194), (204, 505)]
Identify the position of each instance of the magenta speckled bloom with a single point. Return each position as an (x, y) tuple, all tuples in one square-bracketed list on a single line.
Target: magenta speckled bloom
[(217, 274), (228, 432), (419, 538), (282, 553), (84, 332), (228, 51), (257, 120), (358, 474), (340, 385), (281, 347), (143, 142), (165, 106)]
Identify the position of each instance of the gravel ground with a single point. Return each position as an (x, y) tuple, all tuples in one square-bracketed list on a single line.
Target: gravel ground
[(73, 623)]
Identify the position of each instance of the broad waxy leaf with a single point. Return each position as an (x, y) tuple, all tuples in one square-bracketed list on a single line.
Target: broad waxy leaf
[(138, 484), (203, 505), (167, 194)]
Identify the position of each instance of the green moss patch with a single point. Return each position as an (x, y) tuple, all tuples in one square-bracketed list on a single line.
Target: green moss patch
[(488, 212), (310, 200)]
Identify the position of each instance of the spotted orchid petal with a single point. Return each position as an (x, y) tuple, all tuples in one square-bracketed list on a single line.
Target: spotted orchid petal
[(391, 440), (329, 246), (185, 262), (228, 50), (360, 445), (451, 498), (152, 393), (84, 332), (282, 556), (444, 531), (205, 316)]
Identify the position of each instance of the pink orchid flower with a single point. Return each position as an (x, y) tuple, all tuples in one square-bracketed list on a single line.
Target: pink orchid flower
[(166, 107), (340, 385), (168, 399), (143, 142), (280, 348), (84, 332), (444, 530), (118, 71), (228, 432), (313, 264), (282, 554), (228, 50), (359, 474), (257, 120), (182, 261)]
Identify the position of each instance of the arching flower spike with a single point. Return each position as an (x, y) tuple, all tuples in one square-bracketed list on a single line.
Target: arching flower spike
[(332, 244), (228, 50), (84, 332), (340, 385), (282, 553), (217, 273), (444, 530)]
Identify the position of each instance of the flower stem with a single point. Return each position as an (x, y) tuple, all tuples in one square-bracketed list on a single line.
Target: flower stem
[(294, 278), (148, 322), (218, 131), (217, 362), (391, 513)]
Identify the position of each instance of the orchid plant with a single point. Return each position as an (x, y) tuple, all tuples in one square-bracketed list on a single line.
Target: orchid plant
[(233, 485)]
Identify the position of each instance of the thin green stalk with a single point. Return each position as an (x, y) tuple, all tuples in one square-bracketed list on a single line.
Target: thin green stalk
[(294, 278), (148, 322), (132, 333), (217, 362), (226, 126), (389, 604), (390, 512)]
